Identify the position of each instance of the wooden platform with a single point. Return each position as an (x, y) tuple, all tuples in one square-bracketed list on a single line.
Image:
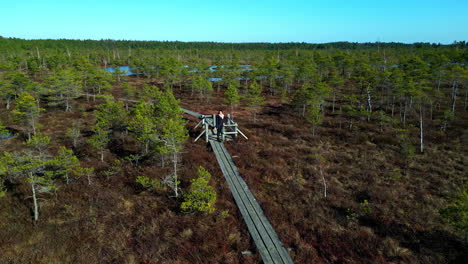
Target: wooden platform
[(270, 247)]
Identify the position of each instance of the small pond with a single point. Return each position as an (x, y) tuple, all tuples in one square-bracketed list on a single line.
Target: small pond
[(6, 136)]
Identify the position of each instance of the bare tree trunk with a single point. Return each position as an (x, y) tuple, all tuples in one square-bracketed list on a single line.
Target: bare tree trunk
[(421, 134), (324, 184), (174, 160), (334, 99), (454, 95), (36, 207), (33, 124), (369, 102)]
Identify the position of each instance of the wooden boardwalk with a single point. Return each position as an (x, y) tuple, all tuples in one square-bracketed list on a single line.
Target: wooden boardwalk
[(264, 236), (268, 244)]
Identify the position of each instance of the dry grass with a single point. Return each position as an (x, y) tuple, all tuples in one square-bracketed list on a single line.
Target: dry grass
[(115, 221)]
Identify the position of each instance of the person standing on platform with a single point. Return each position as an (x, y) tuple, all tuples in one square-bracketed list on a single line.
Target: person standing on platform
[(219, 124)]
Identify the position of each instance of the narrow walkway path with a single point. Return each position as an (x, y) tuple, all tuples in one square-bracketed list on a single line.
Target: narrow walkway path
[(264, 236), (270, 247)]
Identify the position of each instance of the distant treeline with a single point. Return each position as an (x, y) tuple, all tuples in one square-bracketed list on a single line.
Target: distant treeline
[(16, 43)]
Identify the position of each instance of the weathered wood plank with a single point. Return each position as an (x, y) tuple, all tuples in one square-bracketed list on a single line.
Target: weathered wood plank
[(276, 252), (249, 213), (247, 190), (260, 214), (264, 232), (242, 208)]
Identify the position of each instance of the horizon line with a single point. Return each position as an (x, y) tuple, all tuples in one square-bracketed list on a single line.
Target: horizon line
[(221, 42)]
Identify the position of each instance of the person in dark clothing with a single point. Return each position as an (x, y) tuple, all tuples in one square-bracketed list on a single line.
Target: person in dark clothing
[(219, 124)]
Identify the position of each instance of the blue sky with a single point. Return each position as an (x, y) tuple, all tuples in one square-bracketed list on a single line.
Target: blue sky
[(238, 20)]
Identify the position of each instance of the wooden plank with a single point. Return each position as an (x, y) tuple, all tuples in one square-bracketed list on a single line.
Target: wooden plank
[(265, 236), (242, 208), (272, 245), (192, 113), (263, 219), (247, 214), (279, 246), (251, 210), (269, 256), (262, 222)]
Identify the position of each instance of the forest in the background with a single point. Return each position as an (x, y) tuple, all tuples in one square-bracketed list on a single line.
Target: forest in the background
[(15, 44), (356, 151)]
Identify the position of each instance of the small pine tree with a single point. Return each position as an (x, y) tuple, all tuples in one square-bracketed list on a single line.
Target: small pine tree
[(33, 169), (38, 142), (313, 114), (203, 86), (63, 88), (99, 140), (383, 120), (253, 98), (301, 96), (66, 161), (27, 111), (173, 136), (127, 89), (74, 133), (143, 125), (232, 97), (111, 114), (88, 172), (148, 183), (202, 197)]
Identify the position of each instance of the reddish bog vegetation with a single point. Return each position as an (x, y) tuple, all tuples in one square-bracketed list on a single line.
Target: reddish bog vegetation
[(340, 196)]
